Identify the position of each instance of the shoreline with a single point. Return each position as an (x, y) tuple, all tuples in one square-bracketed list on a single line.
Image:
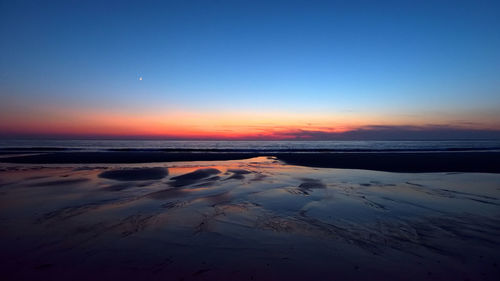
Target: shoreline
[(410, 162)]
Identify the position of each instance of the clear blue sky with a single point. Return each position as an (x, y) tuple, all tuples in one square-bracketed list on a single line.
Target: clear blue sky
[(328, 57)]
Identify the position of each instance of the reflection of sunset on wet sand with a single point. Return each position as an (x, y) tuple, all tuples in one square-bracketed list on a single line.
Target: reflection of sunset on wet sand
[(246, 219)]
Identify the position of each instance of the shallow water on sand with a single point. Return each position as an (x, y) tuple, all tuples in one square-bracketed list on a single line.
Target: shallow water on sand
[(255, 219)]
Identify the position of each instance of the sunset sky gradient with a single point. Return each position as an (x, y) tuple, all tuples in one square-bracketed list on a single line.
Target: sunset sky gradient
[(250, 69)]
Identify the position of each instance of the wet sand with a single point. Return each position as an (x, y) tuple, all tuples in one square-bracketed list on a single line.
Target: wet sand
[(480, 162), (253, 219)]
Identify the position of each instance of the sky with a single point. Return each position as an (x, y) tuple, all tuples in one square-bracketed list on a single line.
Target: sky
[(250, 69)]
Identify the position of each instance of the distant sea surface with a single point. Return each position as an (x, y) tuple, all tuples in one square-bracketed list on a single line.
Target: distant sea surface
[(249, 146)]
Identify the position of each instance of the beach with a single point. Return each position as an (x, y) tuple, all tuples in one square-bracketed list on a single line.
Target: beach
[(247, 216)]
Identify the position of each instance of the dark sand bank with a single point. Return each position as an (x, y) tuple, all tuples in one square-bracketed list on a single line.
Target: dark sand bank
[(480, 162), (485, 162), (123, 157)]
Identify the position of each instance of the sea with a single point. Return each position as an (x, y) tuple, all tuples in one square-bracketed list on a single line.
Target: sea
[(249, 146)]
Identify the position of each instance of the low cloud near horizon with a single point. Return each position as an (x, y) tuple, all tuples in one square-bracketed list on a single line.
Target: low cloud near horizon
[(387, 132)]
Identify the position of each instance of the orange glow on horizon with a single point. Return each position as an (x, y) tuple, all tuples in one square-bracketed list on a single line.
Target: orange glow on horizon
[(210, 125)]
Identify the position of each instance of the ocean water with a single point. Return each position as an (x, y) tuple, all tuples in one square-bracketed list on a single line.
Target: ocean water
[(251, 146)]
